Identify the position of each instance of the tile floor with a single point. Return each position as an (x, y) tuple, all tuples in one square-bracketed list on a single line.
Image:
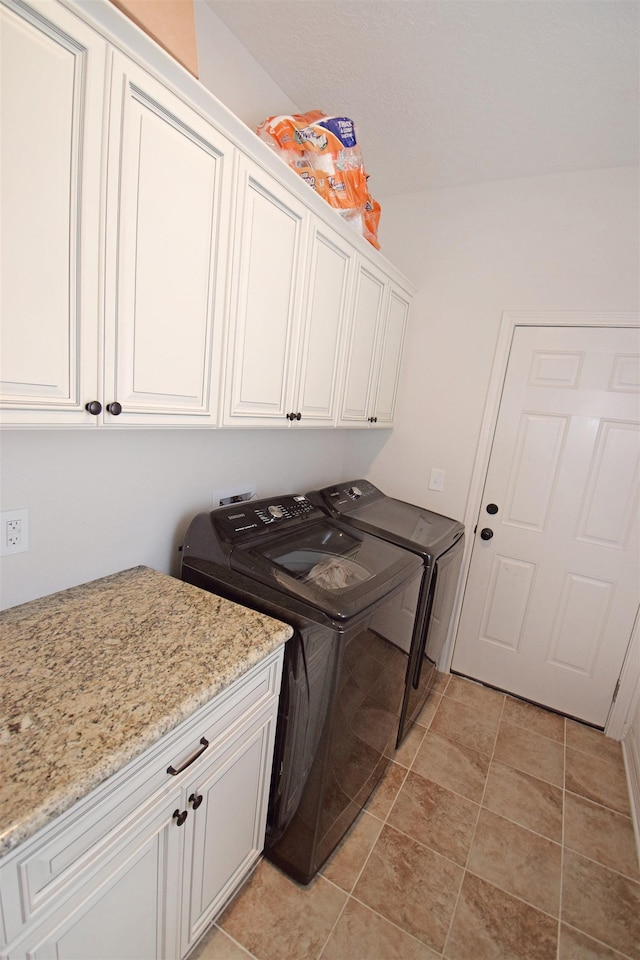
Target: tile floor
[(500, 832)]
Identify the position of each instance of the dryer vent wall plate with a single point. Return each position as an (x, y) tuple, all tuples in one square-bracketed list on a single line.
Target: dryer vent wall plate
[(237, 494)]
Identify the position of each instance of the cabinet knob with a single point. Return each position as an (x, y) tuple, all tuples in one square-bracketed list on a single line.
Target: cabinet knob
[(373, 419), (195, 800), (180, 817), (94, 408), (298, 416), (294, 416), (486, 533), (114, 408)]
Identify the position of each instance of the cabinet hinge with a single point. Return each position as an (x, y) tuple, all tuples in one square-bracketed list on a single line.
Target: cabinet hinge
[(615, 692)]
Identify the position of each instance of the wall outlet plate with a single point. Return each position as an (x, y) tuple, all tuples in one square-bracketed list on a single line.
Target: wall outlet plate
[(436, 480), (237, 494), (14, 532)]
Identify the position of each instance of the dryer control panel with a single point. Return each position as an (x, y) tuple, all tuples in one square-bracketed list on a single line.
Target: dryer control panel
[(343, 497)]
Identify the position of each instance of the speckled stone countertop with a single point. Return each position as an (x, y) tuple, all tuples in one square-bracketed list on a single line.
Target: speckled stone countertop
[(94, 675)]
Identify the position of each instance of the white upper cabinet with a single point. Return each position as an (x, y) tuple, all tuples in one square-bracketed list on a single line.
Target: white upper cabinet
[(266, 296), (359, 382), (167, 231), (396, 315), (374, 353), (52, 86), (324, 321), (291, 279), (161, 267)]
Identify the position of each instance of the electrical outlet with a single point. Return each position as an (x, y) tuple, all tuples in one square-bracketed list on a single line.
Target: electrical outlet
[(237, 494), (14, 532), (436, 480)]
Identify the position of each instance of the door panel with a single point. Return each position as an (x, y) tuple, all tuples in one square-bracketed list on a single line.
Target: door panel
[(265, 299), (52, 75), (327, 289), (552, 596), (166, 219)]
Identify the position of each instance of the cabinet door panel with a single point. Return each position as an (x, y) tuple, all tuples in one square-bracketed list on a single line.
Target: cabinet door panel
[(327, 291), (52, 85), (391, 357), (169, 210), (129, 910), (229, 825), (265, 300), (360, 372)]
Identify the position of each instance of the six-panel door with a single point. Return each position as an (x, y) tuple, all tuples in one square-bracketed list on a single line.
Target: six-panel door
[(552, 593)]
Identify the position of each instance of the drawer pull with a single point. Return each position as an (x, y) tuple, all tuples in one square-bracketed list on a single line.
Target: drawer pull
[(195, 800), (180, 817), (187, 763)]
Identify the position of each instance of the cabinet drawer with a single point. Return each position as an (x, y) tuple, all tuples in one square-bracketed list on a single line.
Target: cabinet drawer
[(70, 849)]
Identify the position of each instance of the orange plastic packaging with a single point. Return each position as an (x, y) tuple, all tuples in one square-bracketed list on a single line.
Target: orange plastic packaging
[(324, 151)]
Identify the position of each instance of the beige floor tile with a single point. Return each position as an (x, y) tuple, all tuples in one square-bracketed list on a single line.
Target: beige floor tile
[(489, 701), (527, 800), (533, 718), (345, 863), (518, 861), (587, 740), (383, 797), (597, 780), (441, 682), (277, 919), (428, 711), (409, 747), (578, 946), (490, 924), (361, 934), (452, 765), (601, 903), (216, 945), (465, 724), (435, 816), (600, 834), (530, 753), (410, 885)]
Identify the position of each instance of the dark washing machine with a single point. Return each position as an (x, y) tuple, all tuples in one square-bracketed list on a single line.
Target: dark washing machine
[(438, 541), (352, 601)]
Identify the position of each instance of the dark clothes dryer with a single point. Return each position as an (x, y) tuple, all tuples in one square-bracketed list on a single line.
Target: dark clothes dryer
[(345, 665), (438, 541)]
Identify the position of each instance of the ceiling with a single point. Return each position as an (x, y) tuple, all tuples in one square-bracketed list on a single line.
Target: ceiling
[(450, 92)]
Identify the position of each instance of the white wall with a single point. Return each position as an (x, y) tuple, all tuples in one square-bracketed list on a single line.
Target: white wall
[(565, 242), (102, 500), (229, 71)]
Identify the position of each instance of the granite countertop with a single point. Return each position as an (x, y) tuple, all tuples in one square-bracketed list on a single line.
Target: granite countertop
[(94, 675)]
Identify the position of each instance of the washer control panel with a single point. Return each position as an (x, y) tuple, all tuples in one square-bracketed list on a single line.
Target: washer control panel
[(242, 520)]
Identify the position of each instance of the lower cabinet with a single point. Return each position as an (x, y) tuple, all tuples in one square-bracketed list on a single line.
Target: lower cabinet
[(141, 867), (129, 909)]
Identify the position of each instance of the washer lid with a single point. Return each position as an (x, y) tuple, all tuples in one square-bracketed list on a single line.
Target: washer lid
[(339, 571)]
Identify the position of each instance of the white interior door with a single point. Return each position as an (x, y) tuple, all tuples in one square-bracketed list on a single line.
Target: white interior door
[(552, 594)]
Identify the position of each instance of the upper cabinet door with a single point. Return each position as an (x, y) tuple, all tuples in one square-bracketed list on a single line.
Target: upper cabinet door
[(361, 368), (391, 345), (325, 321), (266, 289), (168, 199), (52, 107)]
